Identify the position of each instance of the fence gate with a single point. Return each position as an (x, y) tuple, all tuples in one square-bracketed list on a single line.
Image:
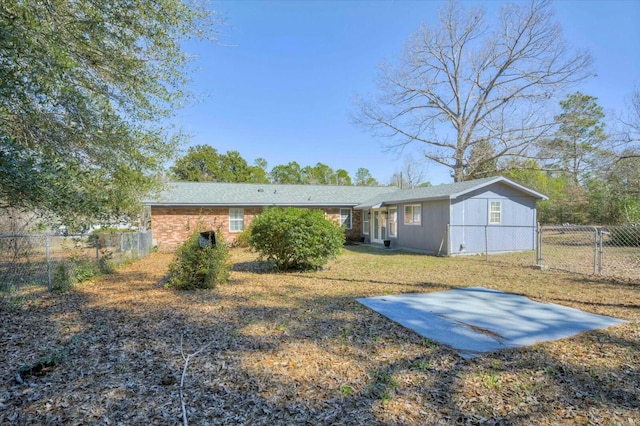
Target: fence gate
[(612, 251)]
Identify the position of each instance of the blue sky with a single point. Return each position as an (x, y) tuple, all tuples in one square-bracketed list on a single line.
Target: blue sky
[(281, 82)]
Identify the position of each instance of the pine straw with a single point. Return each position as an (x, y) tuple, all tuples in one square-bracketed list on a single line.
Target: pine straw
[(297, 348)]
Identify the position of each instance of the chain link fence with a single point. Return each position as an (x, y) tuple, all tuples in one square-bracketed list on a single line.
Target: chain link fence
[(612, 251), (31, 260)]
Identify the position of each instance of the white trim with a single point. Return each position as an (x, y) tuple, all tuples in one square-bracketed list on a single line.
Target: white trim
[(497, 203), (366, 222), (234, 220), (392, 222), (410, 220)]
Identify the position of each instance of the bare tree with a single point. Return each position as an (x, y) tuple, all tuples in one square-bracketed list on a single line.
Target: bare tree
[(411, 175), (629, 139), (467, 83)]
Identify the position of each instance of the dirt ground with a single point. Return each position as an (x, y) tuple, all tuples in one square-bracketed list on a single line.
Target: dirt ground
[(296, 348)]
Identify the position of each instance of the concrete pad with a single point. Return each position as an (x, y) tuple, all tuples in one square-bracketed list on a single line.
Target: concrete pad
[(477, 320)]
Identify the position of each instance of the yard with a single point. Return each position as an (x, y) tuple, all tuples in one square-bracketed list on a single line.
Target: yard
[(297, 348)]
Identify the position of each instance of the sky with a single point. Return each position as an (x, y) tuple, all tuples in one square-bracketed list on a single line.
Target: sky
[(280, 83)]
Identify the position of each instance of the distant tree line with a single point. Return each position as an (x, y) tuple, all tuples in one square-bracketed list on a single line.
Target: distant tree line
[(203, 163), (590, 175)]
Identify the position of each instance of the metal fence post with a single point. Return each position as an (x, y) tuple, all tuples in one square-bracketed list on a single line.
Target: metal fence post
[(48, 254), (486, 243), (538, 245), (600, 262), (595, 249)]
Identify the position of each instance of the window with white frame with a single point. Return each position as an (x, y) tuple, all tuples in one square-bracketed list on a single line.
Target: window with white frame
[(366, 220), (345, 218), (412, 214), (495, 212), (392, 222), (236, 220)]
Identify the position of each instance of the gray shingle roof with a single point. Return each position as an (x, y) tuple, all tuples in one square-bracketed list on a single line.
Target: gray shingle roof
[(249, 194), (442, 192), (360, 197)]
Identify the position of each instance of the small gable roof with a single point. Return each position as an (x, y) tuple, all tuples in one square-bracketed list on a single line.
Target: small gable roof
[(215, 194), (449, 191)]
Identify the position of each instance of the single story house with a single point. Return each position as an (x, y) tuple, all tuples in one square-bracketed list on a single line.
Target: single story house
[(492, 214), (231, 207)]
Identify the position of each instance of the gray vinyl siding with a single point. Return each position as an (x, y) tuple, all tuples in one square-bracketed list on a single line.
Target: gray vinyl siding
[(430, 235), (471, 232)]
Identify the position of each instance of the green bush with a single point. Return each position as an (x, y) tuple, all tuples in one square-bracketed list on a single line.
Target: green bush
[(61, 280), (295, 238), (83, 270), (242, 239), (195, 267)]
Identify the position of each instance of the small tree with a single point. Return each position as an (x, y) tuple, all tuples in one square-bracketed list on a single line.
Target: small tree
[(295, 238), (196, 267)]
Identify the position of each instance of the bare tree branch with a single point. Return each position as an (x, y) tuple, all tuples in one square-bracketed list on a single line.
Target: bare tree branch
[(187, 358), (465, 83)]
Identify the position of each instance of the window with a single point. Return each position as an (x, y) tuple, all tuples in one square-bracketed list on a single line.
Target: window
[(412, 214), (236, 220), (345, 218), (392, 223), (366, 220), (495, 212)]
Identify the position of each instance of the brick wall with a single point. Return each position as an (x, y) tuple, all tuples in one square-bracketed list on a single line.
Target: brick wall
[(173, 225)]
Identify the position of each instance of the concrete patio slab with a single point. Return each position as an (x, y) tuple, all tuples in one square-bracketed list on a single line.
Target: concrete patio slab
[(477, 320)]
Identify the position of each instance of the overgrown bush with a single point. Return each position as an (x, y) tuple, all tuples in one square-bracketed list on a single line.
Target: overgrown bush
[(61, 279), (77, 270), (295, 238), (85, 269), (242, 239), (195, 267)]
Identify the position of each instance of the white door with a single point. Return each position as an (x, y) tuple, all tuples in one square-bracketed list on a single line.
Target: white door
[(378, 227)]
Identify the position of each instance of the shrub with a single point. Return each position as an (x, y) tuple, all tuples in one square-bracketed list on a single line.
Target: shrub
[(295, 238), (61, 280), (85, 269), (195, 267), (242, 239)]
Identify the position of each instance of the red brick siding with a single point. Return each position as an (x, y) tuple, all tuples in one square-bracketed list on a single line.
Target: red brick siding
[(173, 225)]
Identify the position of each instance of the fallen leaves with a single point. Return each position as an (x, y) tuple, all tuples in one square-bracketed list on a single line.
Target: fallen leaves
[(296, 349)]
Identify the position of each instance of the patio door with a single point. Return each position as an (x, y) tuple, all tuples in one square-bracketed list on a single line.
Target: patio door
[(378, 226)]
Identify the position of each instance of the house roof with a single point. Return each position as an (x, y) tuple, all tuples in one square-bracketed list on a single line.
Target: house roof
[(212, 194), (442, 192)]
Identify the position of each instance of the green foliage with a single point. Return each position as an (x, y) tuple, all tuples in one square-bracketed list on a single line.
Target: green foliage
[(194, 267), (202, 163), (295, 238), (61, 279), (105, 263), (364, 178), (288, 173), (577, 147), (83, 87), (85, 269), (77, 270), (243, 238)]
